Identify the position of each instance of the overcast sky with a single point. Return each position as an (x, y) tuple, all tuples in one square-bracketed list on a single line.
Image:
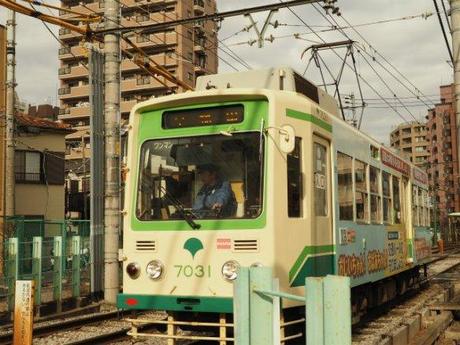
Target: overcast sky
[(414, 46)]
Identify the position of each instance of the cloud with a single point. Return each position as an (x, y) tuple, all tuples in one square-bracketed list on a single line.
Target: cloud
[(414, 46)]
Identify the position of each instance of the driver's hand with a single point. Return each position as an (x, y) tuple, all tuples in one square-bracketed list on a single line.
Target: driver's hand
[(217, 207)]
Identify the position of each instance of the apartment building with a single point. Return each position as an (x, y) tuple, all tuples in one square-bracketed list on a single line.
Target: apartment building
[(186, 51), (443, 168), (410, 139)]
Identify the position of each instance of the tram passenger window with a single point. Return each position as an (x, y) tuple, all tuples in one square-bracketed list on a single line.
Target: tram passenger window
[(375, 194), (361, 196), (294, 180), (415, 207), (345, 179), (422, 204), (320, 179), (397, 201), (386, 197), (426, 207)]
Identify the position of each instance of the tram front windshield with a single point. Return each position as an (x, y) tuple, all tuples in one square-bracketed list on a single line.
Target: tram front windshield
[(205, 177)]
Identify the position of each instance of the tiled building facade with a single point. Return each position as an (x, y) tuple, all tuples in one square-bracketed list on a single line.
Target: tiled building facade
[(411, 140), (443, 168)]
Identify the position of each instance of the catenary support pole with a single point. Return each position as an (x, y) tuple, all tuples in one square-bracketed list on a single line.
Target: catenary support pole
[(10, 107), (455, 24), (112, 151)]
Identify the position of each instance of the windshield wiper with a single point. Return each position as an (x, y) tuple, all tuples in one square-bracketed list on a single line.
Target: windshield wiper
[(185, 214)]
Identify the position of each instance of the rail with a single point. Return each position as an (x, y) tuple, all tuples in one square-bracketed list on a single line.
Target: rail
[(257, 303)]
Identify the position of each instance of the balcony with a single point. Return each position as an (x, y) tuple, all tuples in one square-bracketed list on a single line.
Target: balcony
[(75, 92), (75, 72), (199, 46), (199, 70), (145, 84), (67, 53), (64, 91), (198, 7), (63, 71), (73, 113)]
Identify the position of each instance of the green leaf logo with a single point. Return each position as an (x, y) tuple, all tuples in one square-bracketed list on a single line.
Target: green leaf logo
[(193, 245)]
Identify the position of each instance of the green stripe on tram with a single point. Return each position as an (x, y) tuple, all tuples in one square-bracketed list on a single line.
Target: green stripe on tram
[(310, 118), (321, 257)]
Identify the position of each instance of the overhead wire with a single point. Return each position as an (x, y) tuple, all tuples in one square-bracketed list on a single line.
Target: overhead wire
[(359, 75), (185, 37), (417, 90), (444, 34), (331, 28), (370, 65), (57, 38)]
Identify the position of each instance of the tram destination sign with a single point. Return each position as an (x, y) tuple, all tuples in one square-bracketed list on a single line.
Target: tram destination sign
[(393, 161), (203, 116)]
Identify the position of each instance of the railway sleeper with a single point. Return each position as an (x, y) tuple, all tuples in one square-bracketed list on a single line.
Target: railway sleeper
[(214, 327)]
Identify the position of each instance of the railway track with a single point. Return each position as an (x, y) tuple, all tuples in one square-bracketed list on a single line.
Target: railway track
[(413, 320), (55, 327)]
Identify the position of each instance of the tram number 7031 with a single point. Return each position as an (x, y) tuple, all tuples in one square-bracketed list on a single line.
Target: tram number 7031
[(189, 271)]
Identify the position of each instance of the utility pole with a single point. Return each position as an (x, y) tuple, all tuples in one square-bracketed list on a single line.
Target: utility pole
[(10, 109), (455, 24), (112, 214)]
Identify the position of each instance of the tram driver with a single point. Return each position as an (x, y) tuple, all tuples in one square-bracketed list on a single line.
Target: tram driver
[(215, 196)]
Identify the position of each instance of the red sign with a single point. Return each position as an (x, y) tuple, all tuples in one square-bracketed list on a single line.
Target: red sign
[(393, 161), (224, 243), (419, 176)]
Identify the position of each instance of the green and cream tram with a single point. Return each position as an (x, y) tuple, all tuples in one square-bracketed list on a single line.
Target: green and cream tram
[(309, 195)]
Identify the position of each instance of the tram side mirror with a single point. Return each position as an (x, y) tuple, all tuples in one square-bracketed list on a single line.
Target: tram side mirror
[(287, 139)]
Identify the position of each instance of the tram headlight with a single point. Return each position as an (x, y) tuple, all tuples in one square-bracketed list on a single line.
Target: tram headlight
[(154, 269), (133, 270), (230, 270)]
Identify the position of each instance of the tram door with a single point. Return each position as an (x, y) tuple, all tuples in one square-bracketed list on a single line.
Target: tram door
[(322, 203)]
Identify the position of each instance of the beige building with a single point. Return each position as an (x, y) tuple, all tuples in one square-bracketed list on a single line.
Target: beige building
[(187, 52), (411, 140), (39, 168)]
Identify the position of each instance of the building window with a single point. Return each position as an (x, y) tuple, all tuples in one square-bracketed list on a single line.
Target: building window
[(28, 166), (345, 182), (320, 179), (386, 197), (294, 181), (375, 194), (361, 196), (190, 76)]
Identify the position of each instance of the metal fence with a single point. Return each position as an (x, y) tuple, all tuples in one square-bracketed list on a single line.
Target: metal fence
[(257, 309), (55, 254)]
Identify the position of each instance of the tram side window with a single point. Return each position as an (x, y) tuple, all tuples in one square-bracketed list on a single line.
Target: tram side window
[(415, 207), (397, 201), (294, 180), (375, 194), (426, 207), (320, 179), (361, 196), (345, 179), (386, 197), (421, 203)]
